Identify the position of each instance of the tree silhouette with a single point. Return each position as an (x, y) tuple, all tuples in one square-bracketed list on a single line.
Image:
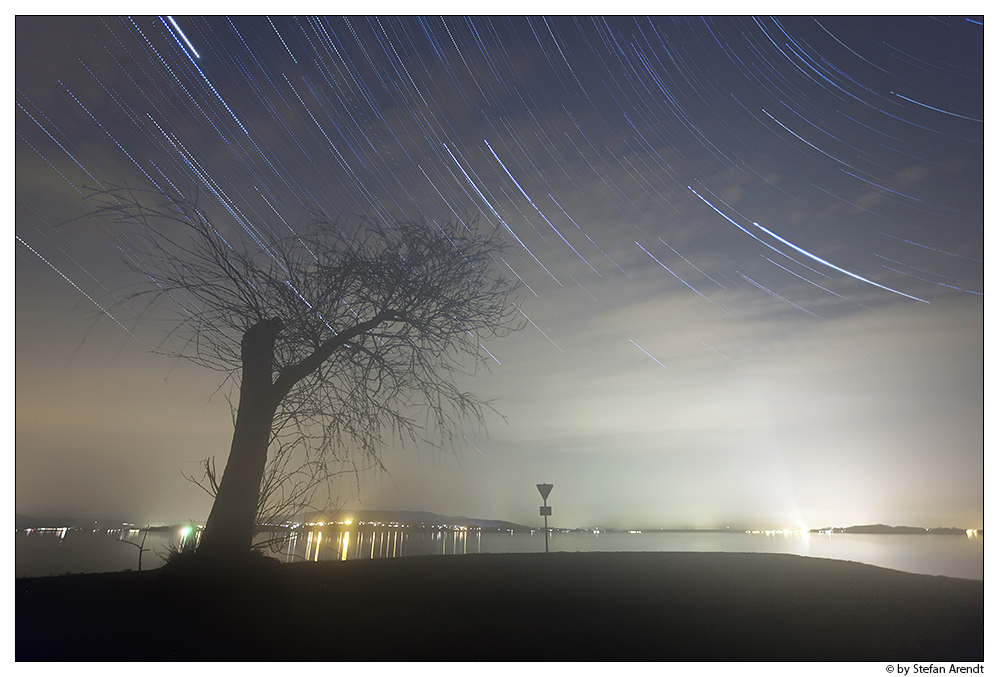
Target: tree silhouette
[(336, 335)]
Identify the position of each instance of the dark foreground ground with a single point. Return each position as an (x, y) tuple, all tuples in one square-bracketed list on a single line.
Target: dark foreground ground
[(505, 607)]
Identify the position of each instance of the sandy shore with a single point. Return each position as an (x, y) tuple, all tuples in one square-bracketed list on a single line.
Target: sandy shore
[(503, 607)]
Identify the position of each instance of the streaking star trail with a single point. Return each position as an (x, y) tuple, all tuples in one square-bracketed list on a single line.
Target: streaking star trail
[(750, 248)]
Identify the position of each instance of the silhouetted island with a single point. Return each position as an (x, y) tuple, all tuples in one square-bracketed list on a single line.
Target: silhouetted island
[(585, 606), (885, 529)]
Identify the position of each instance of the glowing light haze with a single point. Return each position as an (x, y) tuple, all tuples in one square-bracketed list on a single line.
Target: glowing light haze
[(752, 252)]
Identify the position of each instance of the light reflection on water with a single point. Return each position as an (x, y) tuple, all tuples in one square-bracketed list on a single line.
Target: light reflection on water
[(946, 555), (55, 552), (325, 544)]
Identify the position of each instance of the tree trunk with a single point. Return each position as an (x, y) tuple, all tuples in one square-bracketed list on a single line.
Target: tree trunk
[(229, 531)]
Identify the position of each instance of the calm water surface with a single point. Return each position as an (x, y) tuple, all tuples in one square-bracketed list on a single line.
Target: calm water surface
[(54, 553)]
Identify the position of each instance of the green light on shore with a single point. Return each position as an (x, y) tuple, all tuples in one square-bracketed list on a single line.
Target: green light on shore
[(184, 533)]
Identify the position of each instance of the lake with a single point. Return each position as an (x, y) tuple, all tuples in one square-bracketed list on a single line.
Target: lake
[(50, 553)]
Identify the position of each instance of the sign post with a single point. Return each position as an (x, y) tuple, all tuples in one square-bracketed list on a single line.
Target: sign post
[(545, 489)]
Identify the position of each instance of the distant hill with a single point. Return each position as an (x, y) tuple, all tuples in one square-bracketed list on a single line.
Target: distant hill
[(885, 529), (22, 522), (429, 519)]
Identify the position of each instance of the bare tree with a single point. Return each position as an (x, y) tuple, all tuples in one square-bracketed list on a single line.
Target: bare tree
[(335, 335)]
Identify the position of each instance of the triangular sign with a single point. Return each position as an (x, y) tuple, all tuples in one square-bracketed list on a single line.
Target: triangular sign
[(545, 489)]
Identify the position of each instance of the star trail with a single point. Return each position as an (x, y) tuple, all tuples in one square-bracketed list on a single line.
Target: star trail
[(817, 313)]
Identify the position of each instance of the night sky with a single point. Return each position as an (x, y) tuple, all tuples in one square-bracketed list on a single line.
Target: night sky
[(752, 253)]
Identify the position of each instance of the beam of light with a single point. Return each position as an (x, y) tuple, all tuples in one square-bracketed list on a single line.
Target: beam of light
[(225, 104), (522, 280), (942, 284), (880, 187), (103, 129), (795, 247), (752, 235), (490, 354), (540, 329), (716, 352), (77, 287), (649, 354), (923, 246), (56, 142), (674, 274), (843, 199), (472, 444), (803, 140), (928, 272), (776, 295), (182, 35), (311, 307), (282, 40), (217, 191), (537, 209), (847, 48), (501, 220), (692, 265), (834, 266), (939, 110), (447, 202), (49, 163), (805, 279)]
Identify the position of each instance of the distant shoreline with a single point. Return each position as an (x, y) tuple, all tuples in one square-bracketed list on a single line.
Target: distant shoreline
[(907, 531), (432, 521)]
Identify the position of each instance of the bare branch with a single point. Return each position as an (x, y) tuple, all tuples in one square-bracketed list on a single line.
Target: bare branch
[(373, 321)]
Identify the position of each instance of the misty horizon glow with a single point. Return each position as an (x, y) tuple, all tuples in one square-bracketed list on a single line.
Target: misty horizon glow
[(752, 252)]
